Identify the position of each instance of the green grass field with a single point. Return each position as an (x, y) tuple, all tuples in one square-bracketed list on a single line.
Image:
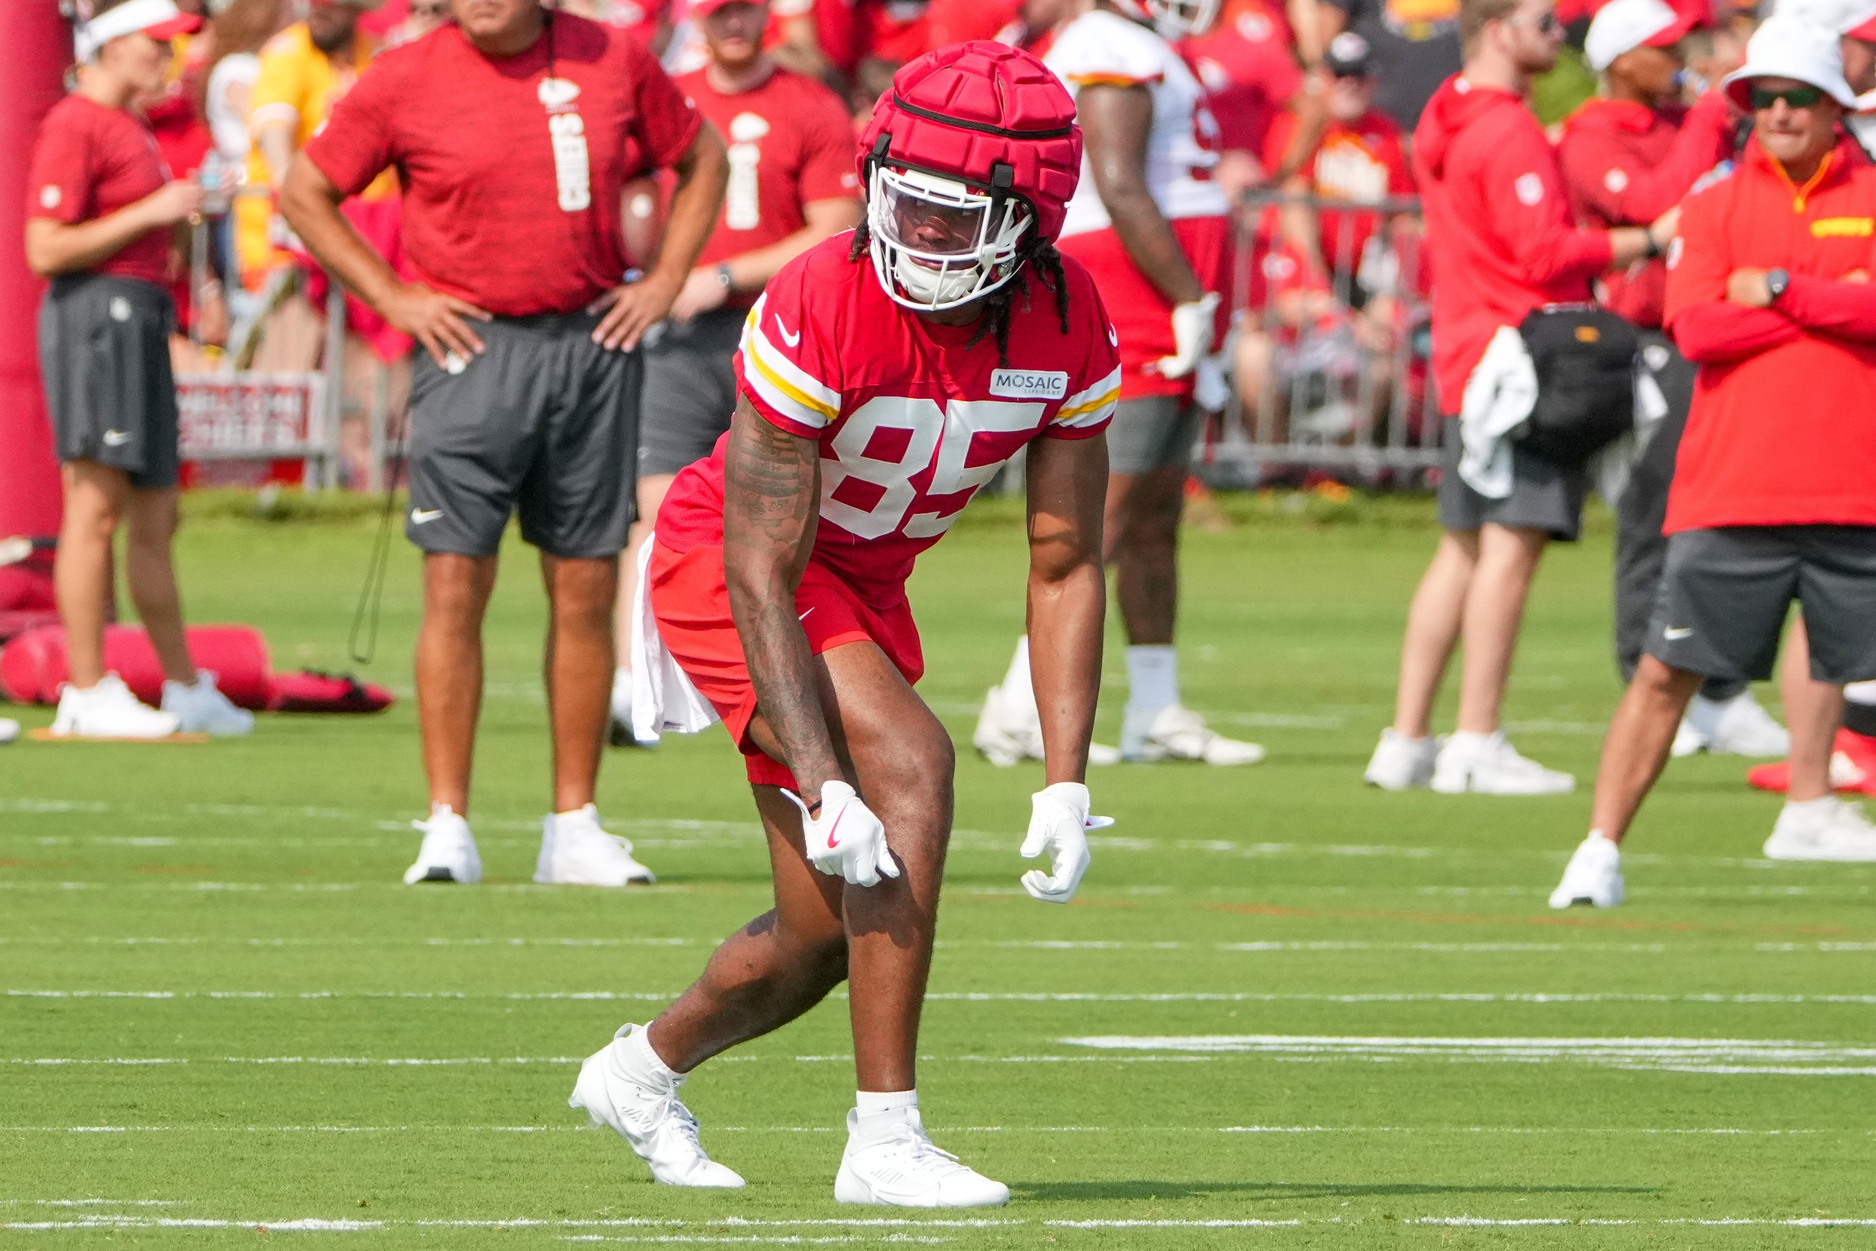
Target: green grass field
[(1333, 1017)]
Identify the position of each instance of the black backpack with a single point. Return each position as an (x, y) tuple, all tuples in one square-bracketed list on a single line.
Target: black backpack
[(1585, 362)]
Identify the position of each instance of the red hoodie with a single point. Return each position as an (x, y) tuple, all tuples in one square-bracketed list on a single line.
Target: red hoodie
[(1499, 230), (1627, 164)]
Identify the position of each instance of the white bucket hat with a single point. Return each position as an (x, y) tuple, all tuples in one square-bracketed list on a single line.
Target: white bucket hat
[(1855, 18), (1795, 48), (1625, 25)]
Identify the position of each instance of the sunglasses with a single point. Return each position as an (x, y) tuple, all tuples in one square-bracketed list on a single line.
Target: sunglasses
[(1547, 24), (438, 9), (1802, 97)]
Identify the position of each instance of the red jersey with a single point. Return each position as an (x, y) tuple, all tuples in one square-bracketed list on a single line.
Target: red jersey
[(1499, 230), (1248, 65), (511, 179), (90, 161), (910, 416), (790, 143), (1627, 164), (1364, 162), (1781, 432)]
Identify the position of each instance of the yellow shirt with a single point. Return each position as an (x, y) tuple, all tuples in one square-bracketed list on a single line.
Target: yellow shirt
[(298, 84)]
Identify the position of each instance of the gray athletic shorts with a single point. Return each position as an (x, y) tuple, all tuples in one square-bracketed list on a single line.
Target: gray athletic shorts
[(104, 356), (1544, 496), (544, 422), (1152, 433), (690, 390), (1725, 593)]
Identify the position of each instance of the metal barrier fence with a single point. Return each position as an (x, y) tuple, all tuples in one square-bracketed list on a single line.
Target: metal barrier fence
[(1330, 347)]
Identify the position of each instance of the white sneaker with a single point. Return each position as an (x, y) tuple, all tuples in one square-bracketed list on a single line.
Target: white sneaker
[(200, 707), (650, 1117), (9, 729), (1593, 876), (1734, 727), (448, 853), (109, 710), (901, 1168), (1175, 732), (1489, 765), (1824, 829), (1400, 763), (575, 851), (1007, 733)]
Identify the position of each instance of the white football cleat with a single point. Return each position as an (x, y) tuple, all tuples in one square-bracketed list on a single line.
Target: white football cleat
[(650, 1117), (1593, 876), (1009, 731), (200, 707), (900, 1167), (1736, 727), (1825, 829), (1400, 763), (1489, 765), (109, 710), (1175, 732), (448, 853), (575, 851)]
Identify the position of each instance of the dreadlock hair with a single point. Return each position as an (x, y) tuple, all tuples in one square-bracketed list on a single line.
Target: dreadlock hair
[(1036, 255)]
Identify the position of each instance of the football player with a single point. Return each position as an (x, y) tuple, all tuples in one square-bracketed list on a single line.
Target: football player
[(1152, 225), (883, 376)]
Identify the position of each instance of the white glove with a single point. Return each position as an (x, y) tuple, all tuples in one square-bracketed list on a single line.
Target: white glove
[(1059, 824), (1210, 391), (846, 840), (1193, 327)]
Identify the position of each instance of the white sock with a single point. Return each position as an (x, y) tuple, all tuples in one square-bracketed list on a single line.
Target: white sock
[(881, 1110), (1604, 837), (1019, 689), (622, 693), (632, 1058), (1152, 678), (1808, 805), (1463, 741)]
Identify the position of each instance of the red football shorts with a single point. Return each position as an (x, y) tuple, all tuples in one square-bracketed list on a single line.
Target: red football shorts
[(692, 603), (1142, 316)]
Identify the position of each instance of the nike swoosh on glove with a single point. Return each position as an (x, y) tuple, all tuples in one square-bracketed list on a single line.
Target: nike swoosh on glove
[(1059, 824), (1193, 327), (846, 840)]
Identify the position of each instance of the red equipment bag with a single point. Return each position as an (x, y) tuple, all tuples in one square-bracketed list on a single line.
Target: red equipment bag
[(310, 690), (33, 666)]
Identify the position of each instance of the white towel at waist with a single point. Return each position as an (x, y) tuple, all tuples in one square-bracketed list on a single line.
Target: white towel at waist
[(663, 699), (1613, 467), (1499, 398)]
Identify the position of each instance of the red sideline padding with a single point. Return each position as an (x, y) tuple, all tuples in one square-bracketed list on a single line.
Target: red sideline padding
[(310, 690), (33, 665)]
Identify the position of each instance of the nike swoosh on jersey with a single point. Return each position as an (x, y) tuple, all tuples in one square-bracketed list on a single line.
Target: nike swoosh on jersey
[(420, 515), (792, 340)]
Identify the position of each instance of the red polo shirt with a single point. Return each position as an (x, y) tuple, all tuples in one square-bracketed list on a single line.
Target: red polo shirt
[(511, 192), (1781, 431), (90, 161)]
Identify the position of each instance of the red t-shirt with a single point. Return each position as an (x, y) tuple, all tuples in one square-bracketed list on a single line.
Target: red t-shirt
[(1781, 431), (1363, 161), (791, 143), (89, 162), (511, 187), (911, 418), (1248, 65)]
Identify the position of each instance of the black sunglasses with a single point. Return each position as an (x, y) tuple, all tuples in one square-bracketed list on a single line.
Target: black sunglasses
[(1801, 97)]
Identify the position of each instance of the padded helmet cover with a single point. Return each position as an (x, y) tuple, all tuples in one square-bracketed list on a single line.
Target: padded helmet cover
[(964, 110)]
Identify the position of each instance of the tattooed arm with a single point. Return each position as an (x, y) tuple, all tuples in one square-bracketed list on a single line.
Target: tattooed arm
[(771, 502)]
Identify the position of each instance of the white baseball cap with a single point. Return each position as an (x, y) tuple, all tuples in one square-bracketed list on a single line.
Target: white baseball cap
[(1624, 25), (1795, 48), (1855, 18)]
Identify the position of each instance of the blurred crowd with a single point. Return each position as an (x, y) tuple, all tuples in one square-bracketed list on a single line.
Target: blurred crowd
[(1314, 101)]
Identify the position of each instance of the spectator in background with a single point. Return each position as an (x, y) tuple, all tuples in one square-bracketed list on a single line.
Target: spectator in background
[(1415, 44), (517, 130), (791, 184), (1503, 245), (420, 18), (241, 28), (1854, 22), (1774, 499), (1247, 62), (102, 219), (1629, 155)]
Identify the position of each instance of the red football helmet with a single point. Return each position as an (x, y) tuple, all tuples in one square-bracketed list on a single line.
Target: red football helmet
[(968, 162)]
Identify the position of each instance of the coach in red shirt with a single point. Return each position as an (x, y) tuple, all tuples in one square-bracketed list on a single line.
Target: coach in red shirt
[(1774, 496), (791, 185), (1503, 244), (513, 133)]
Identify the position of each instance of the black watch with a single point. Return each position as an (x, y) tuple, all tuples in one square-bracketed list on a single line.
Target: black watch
[(1776, 280), (723, 276)]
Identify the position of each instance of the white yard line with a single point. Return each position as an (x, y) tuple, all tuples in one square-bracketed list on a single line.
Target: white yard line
[(975, 996)]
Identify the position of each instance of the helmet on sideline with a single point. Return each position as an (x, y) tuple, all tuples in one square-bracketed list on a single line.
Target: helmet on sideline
[(1173, 19), (968, 164)]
